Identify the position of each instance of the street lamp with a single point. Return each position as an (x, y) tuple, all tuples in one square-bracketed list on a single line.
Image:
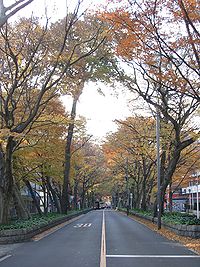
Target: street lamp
[(197, 183), (158, 168), (131, 200), (127, 188)]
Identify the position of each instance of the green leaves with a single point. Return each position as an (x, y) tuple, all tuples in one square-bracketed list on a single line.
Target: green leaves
[(180, 218), (34, 221)]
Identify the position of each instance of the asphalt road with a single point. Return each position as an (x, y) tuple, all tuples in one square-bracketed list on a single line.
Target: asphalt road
[(85, 243)]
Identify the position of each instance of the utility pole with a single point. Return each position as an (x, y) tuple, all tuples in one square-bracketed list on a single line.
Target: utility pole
[(127, 188), (197, 195), (131, 200), (158, 168)]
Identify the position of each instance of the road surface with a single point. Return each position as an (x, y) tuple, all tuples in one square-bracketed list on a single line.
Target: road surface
[(102, 238)]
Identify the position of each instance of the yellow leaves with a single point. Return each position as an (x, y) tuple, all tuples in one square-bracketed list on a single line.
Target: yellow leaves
[(194, 245), (5, 133), (19, 59)]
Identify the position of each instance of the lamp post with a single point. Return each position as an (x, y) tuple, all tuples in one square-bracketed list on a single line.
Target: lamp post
[(192, 185), (158, 168), (197, 196), (131, 200), (127, 188)]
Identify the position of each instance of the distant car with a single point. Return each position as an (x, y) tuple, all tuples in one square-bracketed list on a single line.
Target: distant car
[(99, 205), (102, 205)]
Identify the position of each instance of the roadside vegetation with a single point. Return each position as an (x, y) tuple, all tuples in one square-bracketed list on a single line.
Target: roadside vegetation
[(37, 221), (180, 218), (168, 217)]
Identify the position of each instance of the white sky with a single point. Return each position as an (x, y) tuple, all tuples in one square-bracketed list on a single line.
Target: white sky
[(100, 111), (55, 8)]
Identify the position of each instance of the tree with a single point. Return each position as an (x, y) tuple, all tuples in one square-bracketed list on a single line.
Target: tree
[(131, 151), (141, 34), (100, 65), (9, 11), (39, 158), (188, 163), (87, 173), (165, 67), (32, 74)]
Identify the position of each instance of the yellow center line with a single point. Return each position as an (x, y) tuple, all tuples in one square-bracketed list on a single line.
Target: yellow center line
[(103, 244)]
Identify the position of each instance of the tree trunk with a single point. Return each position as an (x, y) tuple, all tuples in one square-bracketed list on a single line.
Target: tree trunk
[(54, 195), (5, 200), (83, 196), (65, 191), (21, 209), (170, 197), (8, 187), (37, 205), (76, 194), (155, 209)]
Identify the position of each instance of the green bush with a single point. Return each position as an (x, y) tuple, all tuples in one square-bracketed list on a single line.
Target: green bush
[(173, 217), (143, 212), (36, 220), (180, 218)]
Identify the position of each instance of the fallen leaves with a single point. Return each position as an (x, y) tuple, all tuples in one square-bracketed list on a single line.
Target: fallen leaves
[(190, 243)]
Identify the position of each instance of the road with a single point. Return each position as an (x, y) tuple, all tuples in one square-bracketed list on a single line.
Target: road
[(101, 239)]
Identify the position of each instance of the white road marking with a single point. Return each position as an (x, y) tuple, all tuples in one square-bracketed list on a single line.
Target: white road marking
[(153, 256), (79, 225), (5, 257), (87, 225), (103, 244)]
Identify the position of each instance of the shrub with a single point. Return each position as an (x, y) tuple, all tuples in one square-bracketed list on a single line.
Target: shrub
[(36, 220), (180, 218)]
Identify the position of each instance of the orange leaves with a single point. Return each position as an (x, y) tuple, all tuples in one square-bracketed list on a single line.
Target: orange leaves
[(190, 9), (143, 31), (122, 26)]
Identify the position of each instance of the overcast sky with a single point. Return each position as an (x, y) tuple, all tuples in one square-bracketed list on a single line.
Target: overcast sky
[(101, 111)]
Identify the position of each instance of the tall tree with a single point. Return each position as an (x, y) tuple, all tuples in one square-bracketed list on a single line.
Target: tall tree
[(39, 158), (32, 72), (165, 66), (141, 34), (131, 152), (100, 65)]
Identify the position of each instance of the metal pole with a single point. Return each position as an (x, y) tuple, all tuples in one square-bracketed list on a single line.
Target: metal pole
[(192, 196), (197, 197), (190, 200), (131, 200), (127, 188), (158, 169)]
